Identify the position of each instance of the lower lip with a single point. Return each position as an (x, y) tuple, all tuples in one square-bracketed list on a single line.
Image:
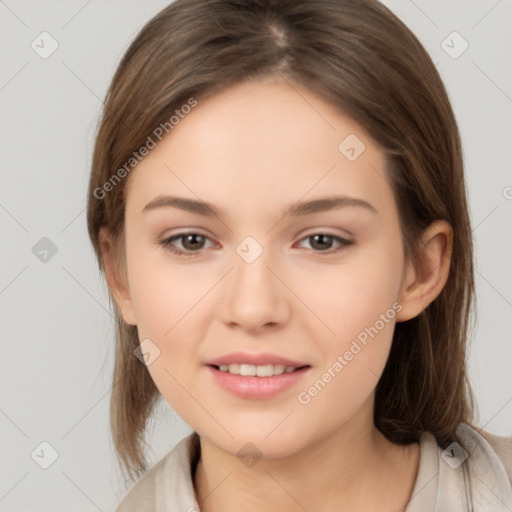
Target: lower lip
[(257, 387)]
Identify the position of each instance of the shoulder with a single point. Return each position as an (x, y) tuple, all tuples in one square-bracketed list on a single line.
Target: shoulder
[(487, 469), (502, 446), (167, 484), (474, 472)]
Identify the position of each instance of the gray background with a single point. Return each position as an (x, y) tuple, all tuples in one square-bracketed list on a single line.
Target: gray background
[(57, 329)]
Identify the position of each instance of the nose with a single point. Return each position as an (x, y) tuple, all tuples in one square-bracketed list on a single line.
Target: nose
[(254, 297)]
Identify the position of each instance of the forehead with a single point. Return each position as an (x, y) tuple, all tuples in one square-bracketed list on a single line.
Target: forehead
[(261, 145)]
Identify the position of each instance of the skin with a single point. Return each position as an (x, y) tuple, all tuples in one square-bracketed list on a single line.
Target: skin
[(252, 151)]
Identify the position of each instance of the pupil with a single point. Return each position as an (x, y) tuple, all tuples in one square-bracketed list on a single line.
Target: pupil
[(322, 238), (194, 238)]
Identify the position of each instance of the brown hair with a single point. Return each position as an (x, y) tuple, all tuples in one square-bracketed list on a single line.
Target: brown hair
[(357, 55)]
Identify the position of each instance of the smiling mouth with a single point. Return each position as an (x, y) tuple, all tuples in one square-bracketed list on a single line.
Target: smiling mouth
[(250, 370)]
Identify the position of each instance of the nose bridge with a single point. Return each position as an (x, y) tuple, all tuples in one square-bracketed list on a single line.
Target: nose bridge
[(254, 296)]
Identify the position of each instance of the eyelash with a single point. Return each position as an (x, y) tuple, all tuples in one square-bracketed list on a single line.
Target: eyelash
[(167, 244)]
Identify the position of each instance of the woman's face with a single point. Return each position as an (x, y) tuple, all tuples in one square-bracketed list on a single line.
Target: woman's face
[(319, 287)]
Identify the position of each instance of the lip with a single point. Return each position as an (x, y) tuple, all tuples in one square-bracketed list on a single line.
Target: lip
[(261, 359), (257, 388)]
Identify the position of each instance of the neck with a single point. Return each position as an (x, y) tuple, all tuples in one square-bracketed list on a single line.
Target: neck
[(353, 468)]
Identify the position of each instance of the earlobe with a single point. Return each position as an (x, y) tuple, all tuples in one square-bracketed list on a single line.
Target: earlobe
[(422, 285), (116, 278)]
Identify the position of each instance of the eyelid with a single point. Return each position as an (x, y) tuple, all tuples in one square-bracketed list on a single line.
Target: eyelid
[(182, 234), (185, 231), (343, 243), (301, 235), (326, 231)]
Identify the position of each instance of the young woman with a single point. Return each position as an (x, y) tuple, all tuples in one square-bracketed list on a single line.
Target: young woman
[(277, 200)]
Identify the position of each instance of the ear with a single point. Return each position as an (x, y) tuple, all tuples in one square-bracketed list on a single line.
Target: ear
[(422, 285), (116, 278)]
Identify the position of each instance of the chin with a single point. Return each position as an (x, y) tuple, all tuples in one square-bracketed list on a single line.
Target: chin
[(254, 441)]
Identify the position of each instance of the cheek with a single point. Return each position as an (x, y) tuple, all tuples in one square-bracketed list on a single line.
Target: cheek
[(358, 302), (173, 305), (164, 295), (363, 317), (166, 310), (354, 296)]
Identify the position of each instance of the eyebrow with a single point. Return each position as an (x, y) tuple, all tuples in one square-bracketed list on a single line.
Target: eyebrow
[(297, 209)]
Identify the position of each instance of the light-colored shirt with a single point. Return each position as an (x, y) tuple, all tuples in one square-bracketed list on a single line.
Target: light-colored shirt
[(476, 478)]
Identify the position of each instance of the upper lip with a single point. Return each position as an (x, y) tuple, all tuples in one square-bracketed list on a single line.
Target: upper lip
[(261, 359)]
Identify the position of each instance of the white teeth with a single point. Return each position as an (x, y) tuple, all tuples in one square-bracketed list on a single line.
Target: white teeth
[(279, 369), (234, 368), (250, 370)]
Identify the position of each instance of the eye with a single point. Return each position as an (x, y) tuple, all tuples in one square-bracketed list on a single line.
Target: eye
[(191, 242), (323, 242)]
